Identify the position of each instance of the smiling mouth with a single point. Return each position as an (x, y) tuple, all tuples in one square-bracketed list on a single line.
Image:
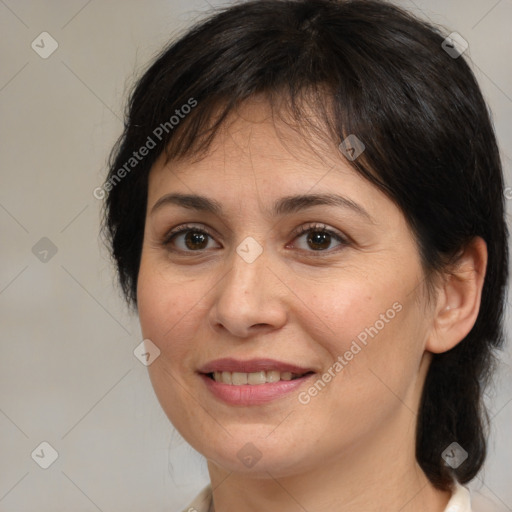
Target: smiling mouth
[(254, 378)]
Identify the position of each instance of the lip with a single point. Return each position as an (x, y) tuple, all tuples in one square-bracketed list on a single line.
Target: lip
[(248, 394), (229, 364)]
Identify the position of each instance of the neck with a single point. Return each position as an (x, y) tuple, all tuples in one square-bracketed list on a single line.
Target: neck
[(380, 473), (372, 482)]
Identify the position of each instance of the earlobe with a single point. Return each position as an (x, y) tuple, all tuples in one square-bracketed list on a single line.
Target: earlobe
[(459, 297)]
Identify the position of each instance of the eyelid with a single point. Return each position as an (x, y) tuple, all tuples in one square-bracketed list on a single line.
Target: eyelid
[(319, 226)]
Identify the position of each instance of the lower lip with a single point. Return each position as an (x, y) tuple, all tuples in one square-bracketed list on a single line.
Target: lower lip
[(248, 394)]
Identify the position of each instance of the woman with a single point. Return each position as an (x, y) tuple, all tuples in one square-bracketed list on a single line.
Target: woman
[(306, 209)]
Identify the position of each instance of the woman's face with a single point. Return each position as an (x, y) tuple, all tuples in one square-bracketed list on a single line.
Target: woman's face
[(342, 303)]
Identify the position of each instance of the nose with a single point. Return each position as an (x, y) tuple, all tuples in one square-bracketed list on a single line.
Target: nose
[(249, 299)]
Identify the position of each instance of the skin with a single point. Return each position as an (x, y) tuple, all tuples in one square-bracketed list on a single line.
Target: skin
[(352, 447)]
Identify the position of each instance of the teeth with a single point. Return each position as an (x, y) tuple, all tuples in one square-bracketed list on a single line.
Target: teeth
[(237, 378), (256, 378), (273, 376)]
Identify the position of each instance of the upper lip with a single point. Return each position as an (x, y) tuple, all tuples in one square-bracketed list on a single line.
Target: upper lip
[(229, 364)]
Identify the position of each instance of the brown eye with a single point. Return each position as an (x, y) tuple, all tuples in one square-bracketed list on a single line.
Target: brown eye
[(196, 240), (187, 239), (319, 239)]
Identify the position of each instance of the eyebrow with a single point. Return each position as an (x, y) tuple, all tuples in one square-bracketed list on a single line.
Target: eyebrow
[(285, 205)]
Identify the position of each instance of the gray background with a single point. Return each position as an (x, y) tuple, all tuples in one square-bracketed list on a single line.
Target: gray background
[(68, 375)]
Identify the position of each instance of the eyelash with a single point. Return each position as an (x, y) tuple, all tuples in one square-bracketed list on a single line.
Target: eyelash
[(321, 228)]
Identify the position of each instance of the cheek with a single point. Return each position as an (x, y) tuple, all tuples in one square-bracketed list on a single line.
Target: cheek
[(371, 333), (335, 313), (167, 312), (165, 307)]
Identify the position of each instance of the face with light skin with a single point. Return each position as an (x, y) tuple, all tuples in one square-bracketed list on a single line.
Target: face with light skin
[(294, 303)]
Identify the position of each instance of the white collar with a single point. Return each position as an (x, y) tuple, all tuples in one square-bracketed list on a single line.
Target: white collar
[(460, 500)]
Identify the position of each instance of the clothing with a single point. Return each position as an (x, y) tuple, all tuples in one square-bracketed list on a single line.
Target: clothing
[(459, 502)]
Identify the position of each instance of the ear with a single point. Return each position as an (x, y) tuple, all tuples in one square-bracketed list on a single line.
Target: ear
[(459, 295)]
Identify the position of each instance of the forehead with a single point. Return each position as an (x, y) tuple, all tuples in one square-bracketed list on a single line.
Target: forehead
[(257, 146)]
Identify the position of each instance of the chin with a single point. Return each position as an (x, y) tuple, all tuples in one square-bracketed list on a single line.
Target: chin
[(258, 458)]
